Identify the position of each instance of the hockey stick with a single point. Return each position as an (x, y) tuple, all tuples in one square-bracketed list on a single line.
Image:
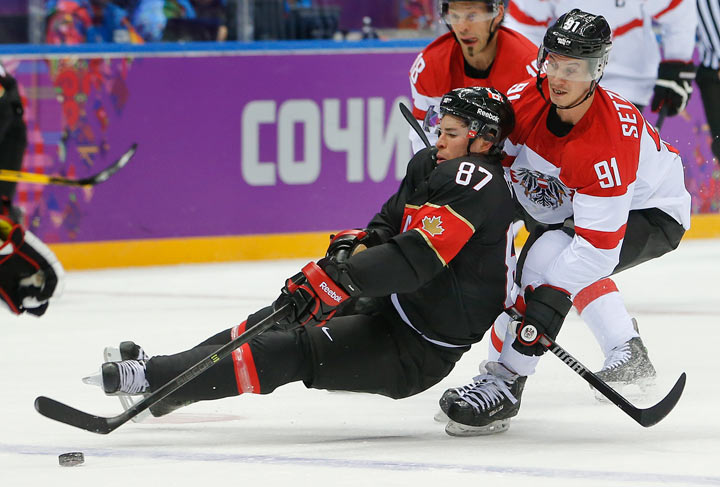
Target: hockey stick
[(30, 177), (414, 124), (63, 413), (645, 417)]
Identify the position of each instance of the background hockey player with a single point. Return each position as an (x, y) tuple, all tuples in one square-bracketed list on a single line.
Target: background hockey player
[(477, 51), (13, 136), (433, 278), (29, 271), (708, 74), (584, 162), (641, 69)]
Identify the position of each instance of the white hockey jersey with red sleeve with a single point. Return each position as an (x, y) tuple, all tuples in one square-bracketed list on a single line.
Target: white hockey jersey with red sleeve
[(440, 68), (611, 162), (633, 64)]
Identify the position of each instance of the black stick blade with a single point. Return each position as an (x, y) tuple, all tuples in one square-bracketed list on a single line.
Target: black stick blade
[(105, 174), (653, 415), (410, 118), (63, 413)]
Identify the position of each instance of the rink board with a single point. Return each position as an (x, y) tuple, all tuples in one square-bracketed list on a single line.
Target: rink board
[(245, 151), (125, 253)]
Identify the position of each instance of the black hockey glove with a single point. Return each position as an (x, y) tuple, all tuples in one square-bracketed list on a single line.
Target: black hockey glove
[(349, 242), (29, 271), (673, 86), (314, 297), (545, 311)]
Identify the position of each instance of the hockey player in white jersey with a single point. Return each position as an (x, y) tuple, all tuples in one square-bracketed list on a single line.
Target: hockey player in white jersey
[(641, 68), (610, 194)]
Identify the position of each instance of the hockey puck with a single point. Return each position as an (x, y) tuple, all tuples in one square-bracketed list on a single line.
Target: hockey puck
[(71, 459)]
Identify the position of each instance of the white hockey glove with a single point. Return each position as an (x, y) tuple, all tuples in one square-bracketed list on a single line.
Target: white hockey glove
[(30, 274)]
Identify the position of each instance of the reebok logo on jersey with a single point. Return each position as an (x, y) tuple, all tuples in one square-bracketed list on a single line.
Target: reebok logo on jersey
[(433, 225), (333, 295)]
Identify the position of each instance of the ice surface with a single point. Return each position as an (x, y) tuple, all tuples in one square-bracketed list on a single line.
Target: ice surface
[(298, 437)]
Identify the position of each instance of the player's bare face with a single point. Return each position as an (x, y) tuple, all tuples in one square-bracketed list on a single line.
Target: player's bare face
[(568, 79), (453, 139), (471, 23)]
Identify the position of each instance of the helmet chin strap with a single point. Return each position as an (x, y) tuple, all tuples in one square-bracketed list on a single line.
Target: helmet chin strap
[(470, 143), (491, 32)]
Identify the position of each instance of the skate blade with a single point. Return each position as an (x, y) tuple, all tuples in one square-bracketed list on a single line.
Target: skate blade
[(457, 429), (112, 354), (637, 390), (94, 380), (441, 417)]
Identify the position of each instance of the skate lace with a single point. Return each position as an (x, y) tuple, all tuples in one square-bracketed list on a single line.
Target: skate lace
[(486, 392), (617, 357), (132, 376)]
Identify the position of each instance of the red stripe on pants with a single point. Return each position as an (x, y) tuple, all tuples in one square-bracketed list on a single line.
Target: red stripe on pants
[(496, 340), (244, 365), (592, 292)]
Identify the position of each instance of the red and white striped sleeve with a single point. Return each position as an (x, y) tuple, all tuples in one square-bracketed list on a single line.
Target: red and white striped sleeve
[(529, 17), (600, 223), (605, 179)]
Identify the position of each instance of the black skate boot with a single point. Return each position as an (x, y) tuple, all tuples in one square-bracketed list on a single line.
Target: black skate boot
[(126, 351), (115, 378), (485, 406), (453, 394), (628, 364), (131, 351)]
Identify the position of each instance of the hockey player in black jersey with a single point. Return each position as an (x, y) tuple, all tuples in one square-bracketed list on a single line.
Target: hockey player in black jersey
[(29, 271), (13, 134), (391, 308)]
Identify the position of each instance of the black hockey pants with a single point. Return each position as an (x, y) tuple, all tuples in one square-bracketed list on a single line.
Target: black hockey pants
[(374, 353)]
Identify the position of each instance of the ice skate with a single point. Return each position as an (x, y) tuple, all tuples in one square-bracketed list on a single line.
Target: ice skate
[(131, 351), (626, 365), (451, 395), (125, 351), (485, 406), (116, 378)]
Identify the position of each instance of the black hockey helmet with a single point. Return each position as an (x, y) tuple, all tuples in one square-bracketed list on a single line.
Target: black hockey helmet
[(580, 35), (487, 112)]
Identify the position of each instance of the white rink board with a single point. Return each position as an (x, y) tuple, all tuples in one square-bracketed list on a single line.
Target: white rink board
[(298, 437)]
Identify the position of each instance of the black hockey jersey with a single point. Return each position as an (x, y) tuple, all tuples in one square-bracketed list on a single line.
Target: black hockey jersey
[(447, 262), (9, 99)]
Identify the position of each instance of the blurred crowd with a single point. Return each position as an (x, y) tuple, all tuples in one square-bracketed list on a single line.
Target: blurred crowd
[(135, 21), (140, 21)]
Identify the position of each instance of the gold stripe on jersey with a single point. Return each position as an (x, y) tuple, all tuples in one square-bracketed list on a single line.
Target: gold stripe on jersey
[(430, 244)]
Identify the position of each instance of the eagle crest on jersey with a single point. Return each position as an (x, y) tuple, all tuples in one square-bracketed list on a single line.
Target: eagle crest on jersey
[(433, 225), (540, 188)]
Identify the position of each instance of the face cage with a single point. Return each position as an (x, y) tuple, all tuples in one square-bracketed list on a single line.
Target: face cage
[(595, 67), (445, 8)]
